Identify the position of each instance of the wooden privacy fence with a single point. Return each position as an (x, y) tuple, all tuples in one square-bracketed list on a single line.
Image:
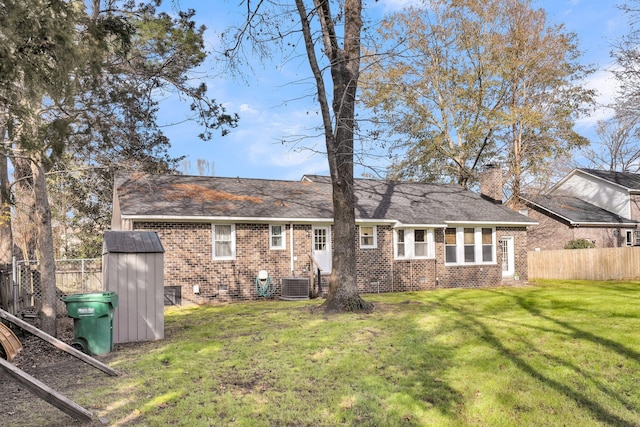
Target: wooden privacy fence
[(586, 264)]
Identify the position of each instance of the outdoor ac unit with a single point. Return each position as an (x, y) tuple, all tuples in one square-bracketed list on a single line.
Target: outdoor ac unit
[(295, 288)]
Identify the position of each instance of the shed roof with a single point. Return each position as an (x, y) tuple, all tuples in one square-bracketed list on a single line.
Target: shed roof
[(132, 242), (179, 196)]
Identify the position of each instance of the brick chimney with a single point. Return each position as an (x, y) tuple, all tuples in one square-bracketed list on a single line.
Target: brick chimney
[(491, 183)]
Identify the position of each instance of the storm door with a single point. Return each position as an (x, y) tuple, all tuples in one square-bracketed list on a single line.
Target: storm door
[(506, 249), (322, 247)]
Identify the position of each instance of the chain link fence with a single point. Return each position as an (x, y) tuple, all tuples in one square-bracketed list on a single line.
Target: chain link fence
[(73, 276)]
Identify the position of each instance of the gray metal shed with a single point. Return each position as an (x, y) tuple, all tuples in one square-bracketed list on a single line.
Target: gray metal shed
[(133, 267)]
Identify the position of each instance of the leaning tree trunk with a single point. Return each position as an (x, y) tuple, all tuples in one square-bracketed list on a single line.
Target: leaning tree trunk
[(45, 249)]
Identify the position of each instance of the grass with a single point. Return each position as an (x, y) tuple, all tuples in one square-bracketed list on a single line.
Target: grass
[(550, 354)]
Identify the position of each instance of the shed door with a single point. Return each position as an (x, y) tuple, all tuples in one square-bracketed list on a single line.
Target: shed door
[(322, 247), (506, 248)]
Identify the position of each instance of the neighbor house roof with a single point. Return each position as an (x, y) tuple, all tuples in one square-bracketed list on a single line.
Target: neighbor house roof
[(174, 197), (627, 180), (576, 211)]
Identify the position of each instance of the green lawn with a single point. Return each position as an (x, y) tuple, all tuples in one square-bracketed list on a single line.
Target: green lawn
[(556, 353)]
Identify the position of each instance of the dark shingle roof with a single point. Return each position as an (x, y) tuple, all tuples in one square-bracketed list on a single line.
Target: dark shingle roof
[(310, 198), (628, 180), (132, 242), (577, 211)]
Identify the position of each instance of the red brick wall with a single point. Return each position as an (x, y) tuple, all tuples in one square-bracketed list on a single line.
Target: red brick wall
[(188, 262), (635, 206), (552, 234)]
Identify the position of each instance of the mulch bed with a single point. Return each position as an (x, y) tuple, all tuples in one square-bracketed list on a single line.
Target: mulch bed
[(57, 369)]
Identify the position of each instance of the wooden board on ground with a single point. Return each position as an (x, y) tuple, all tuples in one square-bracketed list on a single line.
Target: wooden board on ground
[(44, 392), (57, 343)]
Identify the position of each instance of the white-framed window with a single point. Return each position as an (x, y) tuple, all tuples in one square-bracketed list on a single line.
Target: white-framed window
[(487, 245), (277, 236), (224, 241), (320, 239), (470, 245), (450, 246), (368, 237), (411, 243)]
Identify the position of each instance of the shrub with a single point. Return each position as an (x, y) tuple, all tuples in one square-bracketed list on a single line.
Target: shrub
[(579, 244)]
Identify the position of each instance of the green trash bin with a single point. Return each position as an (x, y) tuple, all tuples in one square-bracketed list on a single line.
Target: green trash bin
[(92, 320)]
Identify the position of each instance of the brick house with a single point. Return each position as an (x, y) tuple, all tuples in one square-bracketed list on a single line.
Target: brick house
[(600, 206), (218, 233)]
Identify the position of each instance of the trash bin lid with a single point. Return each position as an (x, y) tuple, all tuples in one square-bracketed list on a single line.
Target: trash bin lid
[(103, 297)]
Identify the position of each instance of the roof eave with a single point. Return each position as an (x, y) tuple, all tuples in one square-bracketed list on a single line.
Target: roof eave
[(400, 224), (495, 223), (212, 219), (606, 224)]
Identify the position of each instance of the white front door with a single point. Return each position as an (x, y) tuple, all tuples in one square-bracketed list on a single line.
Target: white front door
[(322, 247), (506, 248)]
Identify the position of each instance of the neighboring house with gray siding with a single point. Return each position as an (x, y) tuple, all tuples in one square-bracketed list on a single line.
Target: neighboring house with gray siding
[(218, 233), (600, 206)]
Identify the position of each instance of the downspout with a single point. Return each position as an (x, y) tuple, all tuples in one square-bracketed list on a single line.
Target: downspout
[(410, 275), (393, 269), (291, 248)]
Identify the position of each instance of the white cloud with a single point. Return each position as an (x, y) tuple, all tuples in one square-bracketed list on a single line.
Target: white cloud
[(246, 108), (394, 5), (606, 86)]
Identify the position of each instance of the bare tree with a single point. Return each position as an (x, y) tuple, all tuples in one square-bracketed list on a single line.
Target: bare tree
[(332, 43), (618, 148)]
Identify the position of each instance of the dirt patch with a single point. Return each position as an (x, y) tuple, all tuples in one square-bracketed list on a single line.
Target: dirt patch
[(55, 368)]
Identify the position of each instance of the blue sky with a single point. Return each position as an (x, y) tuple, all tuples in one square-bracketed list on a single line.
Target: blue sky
[(272, 107)]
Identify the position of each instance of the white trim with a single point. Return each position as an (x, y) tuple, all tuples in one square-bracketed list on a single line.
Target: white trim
[(510, 261), (410, 244), (319, 221), (375, 221), (489, 224), (403, 225), (292, 257), (374, 232), (322, 257), (226, 219), (283, 236), (477, 244)]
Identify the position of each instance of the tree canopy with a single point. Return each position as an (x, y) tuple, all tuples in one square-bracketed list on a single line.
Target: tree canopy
[(455, 85), (79, 94)]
